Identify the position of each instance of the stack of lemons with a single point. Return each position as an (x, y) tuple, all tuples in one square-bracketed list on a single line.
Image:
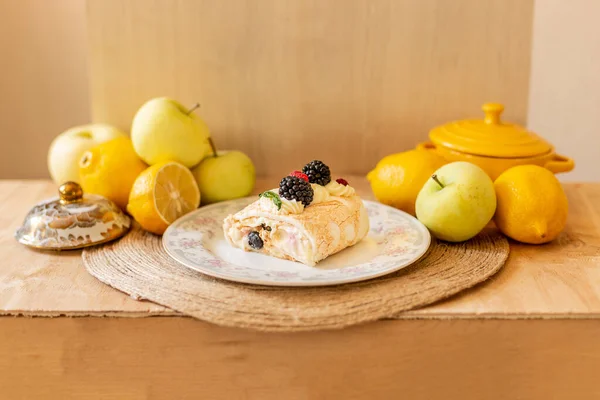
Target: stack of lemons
[(530, 203), (155, 196), (156, 176)]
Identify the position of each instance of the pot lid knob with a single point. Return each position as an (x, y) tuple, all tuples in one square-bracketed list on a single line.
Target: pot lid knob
[(492, 113), (70, 192)]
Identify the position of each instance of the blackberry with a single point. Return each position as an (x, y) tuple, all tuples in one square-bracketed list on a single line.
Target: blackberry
[(294, 188), (254, 240), (317, 172)]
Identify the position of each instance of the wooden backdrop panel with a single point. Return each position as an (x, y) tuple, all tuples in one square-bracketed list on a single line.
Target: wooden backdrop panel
[(43, 80), (565, 90), (347, 81)]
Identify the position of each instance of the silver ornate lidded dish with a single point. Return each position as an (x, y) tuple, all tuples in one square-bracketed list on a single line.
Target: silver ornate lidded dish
[(72, 221)]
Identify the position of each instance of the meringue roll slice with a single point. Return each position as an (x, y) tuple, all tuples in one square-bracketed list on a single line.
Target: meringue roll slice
[(289, 229)]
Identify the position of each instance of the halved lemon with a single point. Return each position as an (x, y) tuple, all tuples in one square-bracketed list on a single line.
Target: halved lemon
[(161, 194)]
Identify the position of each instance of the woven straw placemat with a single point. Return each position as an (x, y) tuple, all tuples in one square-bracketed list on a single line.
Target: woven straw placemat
[(138, 265)]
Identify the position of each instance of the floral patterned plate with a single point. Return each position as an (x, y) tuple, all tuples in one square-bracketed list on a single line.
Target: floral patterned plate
[(395, 241)]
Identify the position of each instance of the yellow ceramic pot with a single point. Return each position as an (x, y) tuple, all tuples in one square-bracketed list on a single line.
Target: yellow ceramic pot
[(494, 145)]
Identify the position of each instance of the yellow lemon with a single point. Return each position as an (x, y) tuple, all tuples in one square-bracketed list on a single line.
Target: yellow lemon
[(161, 194), (109, 169), (532, 205), (398, 178)]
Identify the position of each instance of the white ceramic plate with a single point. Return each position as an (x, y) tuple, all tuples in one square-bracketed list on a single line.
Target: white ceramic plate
[(395, 241)]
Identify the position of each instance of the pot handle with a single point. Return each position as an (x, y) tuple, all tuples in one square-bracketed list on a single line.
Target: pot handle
[(428, 146), (560, 164)]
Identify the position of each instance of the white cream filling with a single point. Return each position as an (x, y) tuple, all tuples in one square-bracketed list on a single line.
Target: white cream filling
[(291, 242), (286, 239)]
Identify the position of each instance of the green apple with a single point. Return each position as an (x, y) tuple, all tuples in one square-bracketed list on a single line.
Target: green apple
[(164, 130), (457, 202), (68, 147), (225, 175)]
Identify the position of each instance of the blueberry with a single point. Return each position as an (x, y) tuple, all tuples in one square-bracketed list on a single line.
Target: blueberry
[(255, 241)]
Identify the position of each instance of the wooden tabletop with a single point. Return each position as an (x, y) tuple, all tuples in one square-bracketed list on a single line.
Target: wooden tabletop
[(529, 332), (557, 280)]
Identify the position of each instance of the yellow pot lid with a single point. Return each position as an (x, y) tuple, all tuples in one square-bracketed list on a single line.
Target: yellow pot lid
[(490, 137)]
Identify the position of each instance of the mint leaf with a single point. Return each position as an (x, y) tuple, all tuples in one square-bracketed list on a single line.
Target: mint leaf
[(273, 196)]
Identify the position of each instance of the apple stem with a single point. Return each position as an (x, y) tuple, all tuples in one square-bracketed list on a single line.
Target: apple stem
[(197, 105), (435, 178), (212, 146)]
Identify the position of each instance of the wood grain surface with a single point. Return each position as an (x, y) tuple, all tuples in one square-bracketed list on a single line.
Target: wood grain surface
[(557, 280), (180, 358), (288, 81)]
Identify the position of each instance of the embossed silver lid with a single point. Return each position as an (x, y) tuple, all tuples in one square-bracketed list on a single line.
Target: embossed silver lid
[(72, 221)]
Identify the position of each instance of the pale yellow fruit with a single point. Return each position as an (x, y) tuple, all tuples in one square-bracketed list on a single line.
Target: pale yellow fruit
[(68, 147), (532, 205), (228, 176), (161, 194), (164, 130), (458, 203), (109, 169), (398, 178)]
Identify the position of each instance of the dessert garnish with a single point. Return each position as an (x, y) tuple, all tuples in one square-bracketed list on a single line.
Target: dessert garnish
[(342, 181), (317, 172), (300, 175), (254, 240), (294, 188), (273, 196)]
